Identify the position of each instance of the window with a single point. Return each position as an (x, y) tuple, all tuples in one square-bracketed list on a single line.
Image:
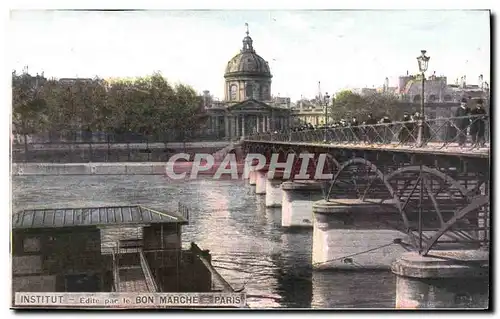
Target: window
[(432, 98), (234, 91), (31, 244), (447, 98), (416, 98), (265, 92), (249, 90)]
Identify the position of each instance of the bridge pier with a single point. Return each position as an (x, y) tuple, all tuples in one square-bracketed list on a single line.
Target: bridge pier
[(273, 190), (442, 279), (252, 178), (260, 182), (297, 202), (355, 234)]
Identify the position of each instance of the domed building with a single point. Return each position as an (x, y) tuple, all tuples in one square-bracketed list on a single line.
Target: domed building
[(248, 105), (247, 75)]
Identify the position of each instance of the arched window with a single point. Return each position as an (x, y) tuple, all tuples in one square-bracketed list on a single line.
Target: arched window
[(416, 98), (432, 98), (234, 91), (447, 98)]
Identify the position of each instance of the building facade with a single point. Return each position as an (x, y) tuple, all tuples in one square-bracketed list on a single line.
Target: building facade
[(248, 105), (437, 89)]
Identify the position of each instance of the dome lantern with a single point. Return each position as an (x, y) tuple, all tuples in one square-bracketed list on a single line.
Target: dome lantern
[(247, 42)]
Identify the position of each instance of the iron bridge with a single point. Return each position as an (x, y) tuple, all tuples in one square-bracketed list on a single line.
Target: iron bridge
[(440, 184)]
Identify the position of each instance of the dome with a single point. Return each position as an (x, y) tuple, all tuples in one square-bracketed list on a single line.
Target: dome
[(247, 62)]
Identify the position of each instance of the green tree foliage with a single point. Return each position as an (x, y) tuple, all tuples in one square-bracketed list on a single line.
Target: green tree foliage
[(146, 105), (30, 111), (348, 104)]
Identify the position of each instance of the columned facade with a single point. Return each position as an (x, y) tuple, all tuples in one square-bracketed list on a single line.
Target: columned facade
[(248, 106)]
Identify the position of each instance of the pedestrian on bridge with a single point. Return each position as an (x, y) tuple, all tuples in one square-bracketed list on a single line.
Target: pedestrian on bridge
[(370, 130), (353, 129), (386, 130), (462, 123), (404, 133), (478, 125)]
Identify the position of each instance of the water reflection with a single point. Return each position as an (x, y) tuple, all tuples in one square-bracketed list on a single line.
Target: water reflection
[(349, 289), (246, 240), (295, 273)]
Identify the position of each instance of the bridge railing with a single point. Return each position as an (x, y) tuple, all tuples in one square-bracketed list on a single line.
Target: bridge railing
[(441, 132)]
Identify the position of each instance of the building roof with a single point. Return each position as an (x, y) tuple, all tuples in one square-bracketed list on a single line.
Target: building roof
[(255, 105), (91, 216)]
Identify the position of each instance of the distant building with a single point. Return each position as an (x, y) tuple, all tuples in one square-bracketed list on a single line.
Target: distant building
[(437, 90)]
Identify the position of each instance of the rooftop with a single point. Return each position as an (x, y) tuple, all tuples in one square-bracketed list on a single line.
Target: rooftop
[(92, 216)]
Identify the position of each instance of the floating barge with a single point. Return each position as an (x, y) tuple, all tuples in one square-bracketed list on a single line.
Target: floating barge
[(108, 249)]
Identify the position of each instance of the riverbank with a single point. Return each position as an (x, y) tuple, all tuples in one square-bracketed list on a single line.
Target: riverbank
[(133, 168)]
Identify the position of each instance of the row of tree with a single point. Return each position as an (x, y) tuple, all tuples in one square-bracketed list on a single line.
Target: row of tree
[(348, 104), (145, 105)]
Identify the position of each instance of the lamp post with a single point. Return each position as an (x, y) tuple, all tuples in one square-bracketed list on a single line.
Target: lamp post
[(327, 101), (423, 63)]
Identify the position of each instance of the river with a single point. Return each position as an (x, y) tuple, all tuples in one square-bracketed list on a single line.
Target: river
[(246, 240)]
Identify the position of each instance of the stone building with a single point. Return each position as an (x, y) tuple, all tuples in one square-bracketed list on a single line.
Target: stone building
[(248, 106), (306, 111), (437, 89)]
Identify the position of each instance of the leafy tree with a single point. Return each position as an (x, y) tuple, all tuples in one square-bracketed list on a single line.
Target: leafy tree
[(149, 106), (28, 103), (348, 104)]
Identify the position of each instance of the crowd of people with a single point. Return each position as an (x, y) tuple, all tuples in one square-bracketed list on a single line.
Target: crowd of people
[(467, 121)]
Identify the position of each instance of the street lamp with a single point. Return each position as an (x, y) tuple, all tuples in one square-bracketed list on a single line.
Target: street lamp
[(327, 101), (423, 63)]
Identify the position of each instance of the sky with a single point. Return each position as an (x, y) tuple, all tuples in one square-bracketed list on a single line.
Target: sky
[(341, 49)]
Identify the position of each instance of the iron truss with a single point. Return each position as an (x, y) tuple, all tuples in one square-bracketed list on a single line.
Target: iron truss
[(442, 197)]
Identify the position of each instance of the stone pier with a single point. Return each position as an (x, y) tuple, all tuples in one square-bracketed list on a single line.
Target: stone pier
[(252, 177), (273, 189), (260, 182), (297, 202), (442, 279), (355, 234)]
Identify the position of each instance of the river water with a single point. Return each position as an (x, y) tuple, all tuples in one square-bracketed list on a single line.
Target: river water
[(246, 240)]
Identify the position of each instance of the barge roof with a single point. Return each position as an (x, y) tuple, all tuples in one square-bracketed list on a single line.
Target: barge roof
[(92, 216)]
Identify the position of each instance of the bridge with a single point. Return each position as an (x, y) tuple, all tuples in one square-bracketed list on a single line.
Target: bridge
[(419, 203)]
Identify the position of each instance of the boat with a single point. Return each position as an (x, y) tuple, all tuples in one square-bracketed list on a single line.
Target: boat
[(108, 249)]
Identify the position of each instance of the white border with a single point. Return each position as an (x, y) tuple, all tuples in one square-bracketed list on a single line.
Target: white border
[(185, 4)]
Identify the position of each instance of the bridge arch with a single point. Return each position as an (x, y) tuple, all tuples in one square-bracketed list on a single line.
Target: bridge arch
[(440, 203), (377, 174), (475, 204), (335, 165)]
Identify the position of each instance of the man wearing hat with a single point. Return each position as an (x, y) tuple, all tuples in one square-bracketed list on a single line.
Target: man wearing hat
[(478, 124), (462, 122)]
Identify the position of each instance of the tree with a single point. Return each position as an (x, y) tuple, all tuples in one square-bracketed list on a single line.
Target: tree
[(149, 106), (29, 107), (348, 104)]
